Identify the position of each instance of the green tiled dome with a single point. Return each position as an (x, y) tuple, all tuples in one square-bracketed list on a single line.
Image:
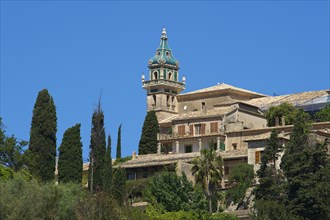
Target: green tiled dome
[(164, 53)]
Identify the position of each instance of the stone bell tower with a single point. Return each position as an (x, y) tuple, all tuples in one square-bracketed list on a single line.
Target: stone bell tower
[(163, 85)]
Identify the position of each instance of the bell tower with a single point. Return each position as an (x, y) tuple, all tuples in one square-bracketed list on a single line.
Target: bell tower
[(163, 85)]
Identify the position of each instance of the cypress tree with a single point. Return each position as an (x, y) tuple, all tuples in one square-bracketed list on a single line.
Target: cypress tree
[(107, 176), (269, 177), (148, 140), (97, 150), (118, 154), (70, 164), (42, 143), (119, 184), (305, 167)]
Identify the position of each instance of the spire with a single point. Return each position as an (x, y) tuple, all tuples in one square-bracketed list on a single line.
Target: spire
[(163, 37), (163, 53)]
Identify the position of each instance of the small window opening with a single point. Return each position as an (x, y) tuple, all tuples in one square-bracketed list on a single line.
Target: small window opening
[(203, 105), (234, 145), (188, 149), (155, 75)]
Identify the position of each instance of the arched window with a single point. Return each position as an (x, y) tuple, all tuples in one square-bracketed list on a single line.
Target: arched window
[(170, 76), (155, 75)]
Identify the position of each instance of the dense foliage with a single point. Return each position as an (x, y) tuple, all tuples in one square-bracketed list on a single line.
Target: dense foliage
[(302, 191), (324, 114), (11, 150), (269, 209), (42, 143), (148, 140), (29, 199), (97, 150), (240, 179), (119, 185), (285, 110), (118, 152), (174, 193), (207, 170), (70, 163)]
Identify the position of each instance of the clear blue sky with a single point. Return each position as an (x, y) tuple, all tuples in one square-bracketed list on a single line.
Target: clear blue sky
[(77, 49)]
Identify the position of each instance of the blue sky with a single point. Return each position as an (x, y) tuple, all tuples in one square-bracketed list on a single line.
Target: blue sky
[(77, 49)]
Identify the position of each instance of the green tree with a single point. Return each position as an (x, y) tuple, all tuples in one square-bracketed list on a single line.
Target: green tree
[(285, 109), (70, 163), (148, 140), (268, 209), (240, 179), (42, 143), (119, 185), (305, 167), (174, 193), (324, 114), (207, 170), (118, 154), (97, 150), (11, 150), (107, 176), (269, 177)]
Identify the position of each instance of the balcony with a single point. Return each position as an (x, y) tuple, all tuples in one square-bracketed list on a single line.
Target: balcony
[(176, 135), (169, 83)]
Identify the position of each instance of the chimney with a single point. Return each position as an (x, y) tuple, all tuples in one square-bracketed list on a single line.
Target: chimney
[(277, 121), (283, 120), (133, 155)]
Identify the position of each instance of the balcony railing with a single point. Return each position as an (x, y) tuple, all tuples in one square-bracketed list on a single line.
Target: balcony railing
[(176, 135), (163, 82)]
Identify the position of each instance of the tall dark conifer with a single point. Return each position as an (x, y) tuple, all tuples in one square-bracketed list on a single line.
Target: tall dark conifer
[(70, 164), (42, 145), (148, 140), (269, 178), (305, 164), (118, 154), (97, 150), (107, 176)]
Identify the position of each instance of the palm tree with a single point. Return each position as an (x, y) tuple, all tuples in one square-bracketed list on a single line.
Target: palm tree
[(207, 170)]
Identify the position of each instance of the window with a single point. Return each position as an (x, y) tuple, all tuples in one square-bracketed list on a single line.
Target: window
[(202, 128), (131, 176), (214, 127), (170, 76), (197, 129), (155, 75), (234, 145), (155, 100), (188, 149), (257, 157), (191, 130), (181, 130), (203, 105)]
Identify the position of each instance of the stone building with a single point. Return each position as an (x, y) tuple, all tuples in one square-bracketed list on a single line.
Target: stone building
[(224, 117)]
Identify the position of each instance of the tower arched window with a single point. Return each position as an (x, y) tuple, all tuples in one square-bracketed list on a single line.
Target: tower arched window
[(155, 75), (170, 76)]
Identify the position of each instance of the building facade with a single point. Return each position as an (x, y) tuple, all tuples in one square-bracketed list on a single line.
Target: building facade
[(224, 117)]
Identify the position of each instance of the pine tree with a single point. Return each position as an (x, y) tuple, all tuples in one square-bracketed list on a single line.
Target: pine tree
[(148, 140), (118, 154), (70, 164), (97, 150), (107, 176), (42, 143)]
